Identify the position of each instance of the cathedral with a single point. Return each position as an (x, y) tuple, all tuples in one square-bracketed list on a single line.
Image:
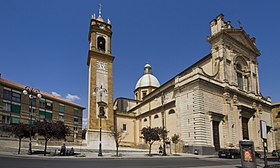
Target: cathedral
[(212, 104)]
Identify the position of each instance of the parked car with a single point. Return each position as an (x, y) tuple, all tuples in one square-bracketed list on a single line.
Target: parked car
[(257, 154), (273, 153), (229, 153)]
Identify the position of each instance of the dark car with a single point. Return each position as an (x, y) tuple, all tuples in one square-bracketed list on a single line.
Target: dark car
[(273, 153), (229, 153), (257, 154)]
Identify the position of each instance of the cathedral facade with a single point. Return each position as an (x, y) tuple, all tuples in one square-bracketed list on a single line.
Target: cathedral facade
[(213, 104)]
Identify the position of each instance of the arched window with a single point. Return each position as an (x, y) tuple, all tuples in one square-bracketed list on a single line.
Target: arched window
[(156, 116), (242, 77), (145, 119), (278, 115), (238, 67), (144, 93), (101, 44), (239, 76), (171, 111)]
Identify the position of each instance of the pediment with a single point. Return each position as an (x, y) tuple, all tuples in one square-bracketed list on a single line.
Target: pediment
[(241, 36)]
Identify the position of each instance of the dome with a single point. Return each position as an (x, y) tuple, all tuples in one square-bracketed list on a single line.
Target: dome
[(148, 79)]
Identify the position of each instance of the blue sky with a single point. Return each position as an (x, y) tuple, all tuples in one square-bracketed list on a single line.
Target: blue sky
[(44, 44)]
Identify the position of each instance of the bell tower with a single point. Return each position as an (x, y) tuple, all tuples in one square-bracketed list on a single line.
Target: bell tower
[(100, 82)]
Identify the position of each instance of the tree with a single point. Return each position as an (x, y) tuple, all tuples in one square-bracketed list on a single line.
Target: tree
[(175, 139), (21, 131), (48, 130), (118, 135), (150, 135)]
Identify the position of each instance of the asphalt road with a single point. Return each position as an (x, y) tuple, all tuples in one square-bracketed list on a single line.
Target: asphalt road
[(21, 162)]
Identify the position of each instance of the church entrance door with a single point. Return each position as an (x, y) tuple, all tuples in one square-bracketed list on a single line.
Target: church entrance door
[(245, 130), (216, 135)]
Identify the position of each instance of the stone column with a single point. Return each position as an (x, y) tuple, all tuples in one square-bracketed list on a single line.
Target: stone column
[(237, 127), (229, 120)]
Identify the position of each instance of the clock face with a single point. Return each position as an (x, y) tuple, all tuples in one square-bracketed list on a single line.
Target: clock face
[(101, 26), (101, 67)]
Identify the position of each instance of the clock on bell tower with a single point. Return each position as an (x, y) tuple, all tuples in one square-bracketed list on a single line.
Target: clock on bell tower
[(100, 61)]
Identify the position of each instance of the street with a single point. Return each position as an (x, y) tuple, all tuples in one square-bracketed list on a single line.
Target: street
[(23, 162)]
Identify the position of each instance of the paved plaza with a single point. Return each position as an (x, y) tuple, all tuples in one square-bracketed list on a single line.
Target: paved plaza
[(129, 157)]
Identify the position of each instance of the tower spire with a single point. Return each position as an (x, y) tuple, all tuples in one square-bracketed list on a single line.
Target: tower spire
[(100, 10)]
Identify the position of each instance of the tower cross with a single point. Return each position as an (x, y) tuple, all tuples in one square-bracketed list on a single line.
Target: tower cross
[(100, 10), (239, 23)]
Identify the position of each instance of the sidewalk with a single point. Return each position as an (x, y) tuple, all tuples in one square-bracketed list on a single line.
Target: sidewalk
[(124, 153), (86, 152)]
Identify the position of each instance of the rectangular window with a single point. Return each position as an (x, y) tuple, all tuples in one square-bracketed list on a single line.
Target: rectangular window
[(76, 120), (76, 112), (61, 108), (42, 114), (16, 97), (49, 105), (15, 120), (240, 81), (6, 106), (33, 111), (124, 127), (48, 116), (6, 119), (61, 117), (31, 122), (42, 103), (7, 94), (246, 84), (32, 101), (15, 108)]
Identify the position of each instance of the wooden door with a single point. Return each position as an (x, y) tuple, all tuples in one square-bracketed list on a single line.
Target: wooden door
[(216, 135), (245, 130)]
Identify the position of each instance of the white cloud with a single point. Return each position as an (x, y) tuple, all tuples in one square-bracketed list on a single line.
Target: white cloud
[(72, 98), (56, 94)]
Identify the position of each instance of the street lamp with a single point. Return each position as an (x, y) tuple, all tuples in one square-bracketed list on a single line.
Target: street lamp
[(163, 98), (30, 92), (102, 105)]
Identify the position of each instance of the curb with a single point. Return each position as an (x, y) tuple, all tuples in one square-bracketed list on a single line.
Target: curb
[(106, 156)]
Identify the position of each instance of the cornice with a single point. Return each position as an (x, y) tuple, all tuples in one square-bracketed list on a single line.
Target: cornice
[(99, 55), (157, 109), (225, 33)]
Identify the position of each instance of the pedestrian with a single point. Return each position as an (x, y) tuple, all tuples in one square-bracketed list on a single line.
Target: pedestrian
[(72, 152), (278, 153), (160, 149), (62, 150)]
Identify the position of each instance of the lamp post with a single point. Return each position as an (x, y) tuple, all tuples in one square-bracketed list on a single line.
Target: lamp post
[(30, 92), (163, 124), (102, 105)]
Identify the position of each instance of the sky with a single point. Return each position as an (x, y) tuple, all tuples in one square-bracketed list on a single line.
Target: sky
[(44, 43)]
